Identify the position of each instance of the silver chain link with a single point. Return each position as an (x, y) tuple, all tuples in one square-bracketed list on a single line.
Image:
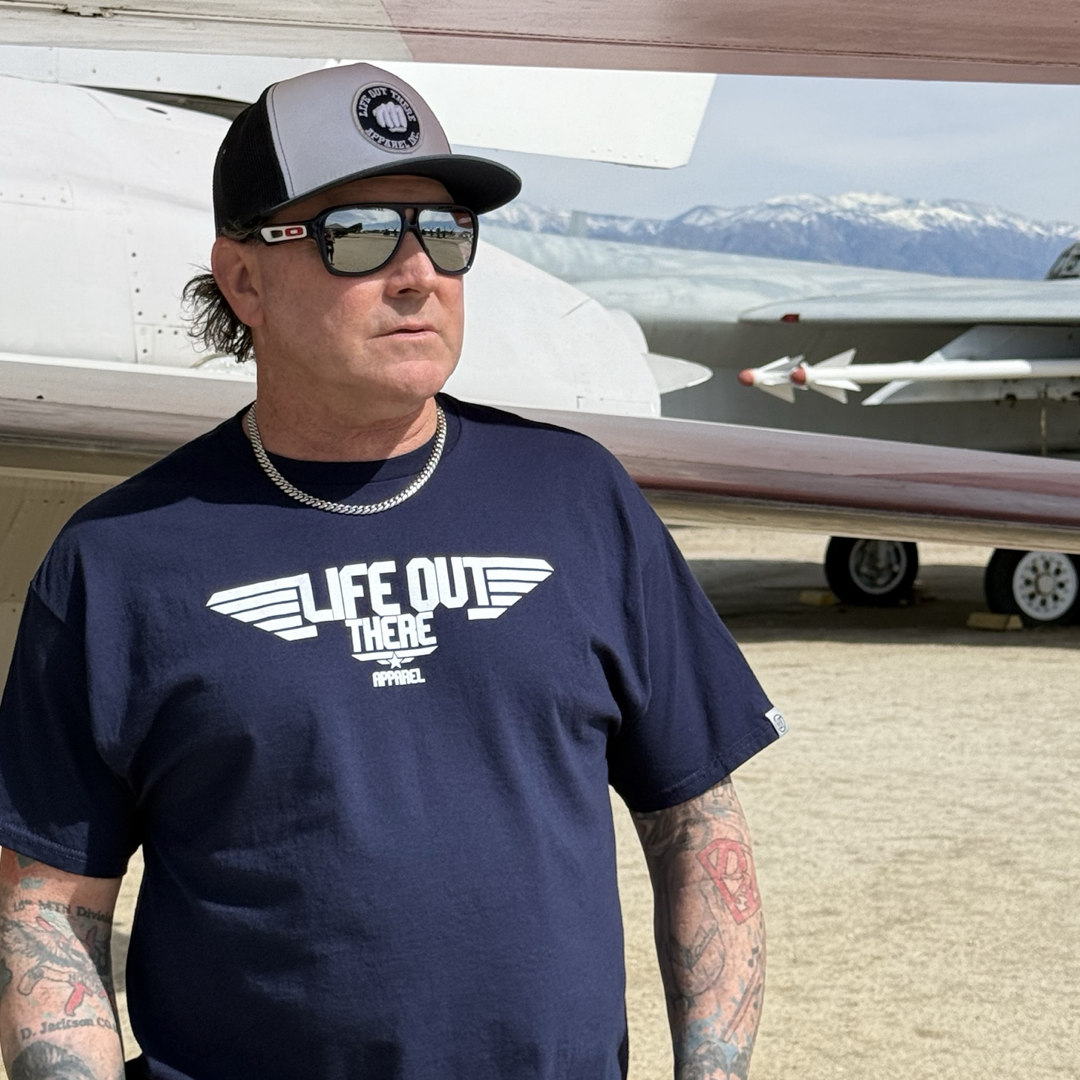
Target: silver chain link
[(347, 508)]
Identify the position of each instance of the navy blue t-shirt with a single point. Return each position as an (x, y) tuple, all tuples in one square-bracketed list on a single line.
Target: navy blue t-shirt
[(368, 757)]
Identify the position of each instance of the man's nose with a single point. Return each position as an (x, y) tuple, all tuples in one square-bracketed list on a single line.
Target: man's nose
[(411, 268)]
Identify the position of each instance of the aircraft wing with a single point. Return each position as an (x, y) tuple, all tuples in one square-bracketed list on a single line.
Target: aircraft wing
[(975, 301), (698, 473), (984, 40), (81, 427), (626, 118)]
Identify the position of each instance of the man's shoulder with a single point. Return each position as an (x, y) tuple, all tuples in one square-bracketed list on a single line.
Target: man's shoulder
[(185, 471), (542, 463), (192, 470), (130, 531)]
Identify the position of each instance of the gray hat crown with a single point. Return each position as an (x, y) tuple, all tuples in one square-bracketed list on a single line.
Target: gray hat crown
[(327, 127)]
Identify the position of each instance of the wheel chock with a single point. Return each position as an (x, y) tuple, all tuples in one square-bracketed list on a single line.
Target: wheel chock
[(818, 597), (990, 620)]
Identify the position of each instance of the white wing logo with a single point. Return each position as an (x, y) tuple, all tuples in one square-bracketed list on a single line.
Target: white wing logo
[(383, 629), (274, 606), (501, 582)]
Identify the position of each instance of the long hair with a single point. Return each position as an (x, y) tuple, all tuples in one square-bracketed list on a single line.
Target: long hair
[(213, 324)]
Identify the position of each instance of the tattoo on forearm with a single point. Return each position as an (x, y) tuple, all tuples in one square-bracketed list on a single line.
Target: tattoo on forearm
[(710, 1061), (27, 882), (689, 955), (58, 955), (59, 1012), (47, 1061), (709, 932), (731, 868), (679, 826), (749, 1003)]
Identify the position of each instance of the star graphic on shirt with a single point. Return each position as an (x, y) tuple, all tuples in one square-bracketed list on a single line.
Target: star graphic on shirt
[(395, 660)]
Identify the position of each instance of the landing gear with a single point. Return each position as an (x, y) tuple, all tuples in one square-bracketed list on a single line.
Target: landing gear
[(1042, 587), (871, 573)]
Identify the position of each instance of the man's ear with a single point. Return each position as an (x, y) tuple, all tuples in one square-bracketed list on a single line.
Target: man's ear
[(233, 264)]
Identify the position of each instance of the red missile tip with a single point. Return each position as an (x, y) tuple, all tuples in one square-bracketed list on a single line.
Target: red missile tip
[(798, 376), (746, 377), (791, 316)]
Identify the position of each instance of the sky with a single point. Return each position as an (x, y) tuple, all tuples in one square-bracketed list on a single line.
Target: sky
[(1011, 145)]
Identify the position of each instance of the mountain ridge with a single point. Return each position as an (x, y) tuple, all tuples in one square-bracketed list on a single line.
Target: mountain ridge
[(956, 237)]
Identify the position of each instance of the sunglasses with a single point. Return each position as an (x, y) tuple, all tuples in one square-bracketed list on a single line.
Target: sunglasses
[(363, 237)]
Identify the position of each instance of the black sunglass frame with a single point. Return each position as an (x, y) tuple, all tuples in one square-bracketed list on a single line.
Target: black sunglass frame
[(314, 229)]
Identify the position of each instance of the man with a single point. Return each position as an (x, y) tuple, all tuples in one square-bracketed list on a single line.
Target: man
[(356, 669)]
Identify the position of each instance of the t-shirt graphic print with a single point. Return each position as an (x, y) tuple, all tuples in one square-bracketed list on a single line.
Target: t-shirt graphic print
[(390, 616)]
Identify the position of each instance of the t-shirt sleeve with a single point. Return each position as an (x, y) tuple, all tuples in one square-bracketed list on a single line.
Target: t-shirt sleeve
[(698, 711), (60, 803)]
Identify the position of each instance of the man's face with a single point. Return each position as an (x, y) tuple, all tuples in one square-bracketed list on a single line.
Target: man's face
[(395, 334)]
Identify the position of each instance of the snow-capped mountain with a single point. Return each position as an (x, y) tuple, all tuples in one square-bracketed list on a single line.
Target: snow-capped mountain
[(949, 236)]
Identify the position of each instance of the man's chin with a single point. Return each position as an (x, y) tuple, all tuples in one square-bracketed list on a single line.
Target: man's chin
[(409, 381)]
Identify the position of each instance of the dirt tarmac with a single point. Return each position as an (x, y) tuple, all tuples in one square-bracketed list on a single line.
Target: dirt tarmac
[(916, 831)]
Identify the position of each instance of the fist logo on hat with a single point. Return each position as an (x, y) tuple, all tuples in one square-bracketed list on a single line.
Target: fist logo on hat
[(391, 116), (387, 119)]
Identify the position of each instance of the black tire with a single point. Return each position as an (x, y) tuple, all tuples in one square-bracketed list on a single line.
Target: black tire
[(871, 573), (1011, 593)]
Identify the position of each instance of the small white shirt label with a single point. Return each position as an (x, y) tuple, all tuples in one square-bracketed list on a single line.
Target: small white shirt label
[(776, 718)]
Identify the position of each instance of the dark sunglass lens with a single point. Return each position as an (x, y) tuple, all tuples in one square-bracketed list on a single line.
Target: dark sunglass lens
[(449, 237), (361, 239)]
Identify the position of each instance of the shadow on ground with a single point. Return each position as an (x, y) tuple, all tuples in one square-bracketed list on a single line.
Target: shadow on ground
[(759, 600)]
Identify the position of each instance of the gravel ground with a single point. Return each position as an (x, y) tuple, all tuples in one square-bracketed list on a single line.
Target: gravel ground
[(914, 831)]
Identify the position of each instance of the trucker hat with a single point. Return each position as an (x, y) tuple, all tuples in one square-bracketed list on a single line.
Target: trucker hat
[(342, 123)]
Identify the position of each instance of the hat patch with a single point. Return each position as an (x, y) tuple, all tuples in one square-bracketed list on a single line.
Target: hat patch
[(386, 119)]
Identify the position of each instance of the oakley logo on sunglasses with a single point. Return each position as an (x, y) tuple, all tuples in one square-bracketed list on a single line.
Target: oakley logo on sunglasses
[(275, 234), (387, 119)]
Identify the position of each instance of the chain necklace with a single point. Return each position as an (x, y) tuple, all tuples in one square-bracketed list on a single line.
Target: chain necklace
[(347, 508)]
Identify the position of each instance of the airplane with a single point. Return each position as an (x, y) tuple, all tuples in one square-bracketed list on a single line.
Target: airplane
[(998, 368), (82, 428), (990, 363)]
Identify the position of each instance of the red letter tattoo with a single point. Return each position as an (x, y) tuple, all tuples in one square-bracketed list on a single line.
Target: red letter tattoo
[(729, 865)]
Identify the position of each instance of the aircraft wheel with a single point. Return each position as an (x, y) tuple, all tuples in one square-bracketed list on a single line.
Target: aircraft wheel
[(1042, 587), (871, 573)]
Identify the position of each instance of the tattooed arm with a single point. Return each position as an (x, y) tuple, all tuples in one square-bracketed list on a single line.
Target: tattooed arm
[(710, 935), (58, 1016)]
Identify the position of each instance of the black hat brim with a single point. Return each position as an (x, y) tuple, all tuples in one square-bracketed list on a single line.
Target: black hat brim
[(475, 182)]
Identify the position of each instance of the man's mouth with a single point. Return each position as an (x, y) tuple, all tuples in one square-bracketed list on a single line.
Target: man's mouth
[(410, 329)]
